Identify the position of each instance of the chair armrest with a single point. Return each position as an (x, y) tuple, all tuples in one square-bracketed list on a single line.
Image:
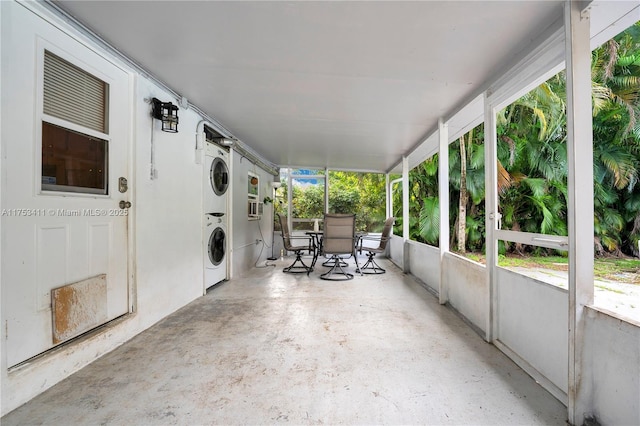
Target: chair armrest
[(307, 238), (377, 238), (299, 237)]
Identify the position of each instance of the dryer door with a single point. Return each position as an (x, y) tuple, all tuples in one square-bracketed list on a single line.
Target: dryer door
[(219, 176), (217, 246)]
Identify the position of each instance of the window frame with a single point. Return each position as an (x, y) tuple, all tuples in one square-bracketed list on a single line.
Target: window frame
[(42, 117)]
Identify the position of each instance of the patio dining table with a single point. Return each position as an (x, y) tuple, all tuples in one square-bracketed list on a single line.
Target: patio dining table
[(316, 241)]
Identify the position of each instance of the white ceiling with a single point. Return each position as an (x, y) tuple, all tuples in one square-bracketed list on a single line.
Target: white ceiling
[(344, 85)]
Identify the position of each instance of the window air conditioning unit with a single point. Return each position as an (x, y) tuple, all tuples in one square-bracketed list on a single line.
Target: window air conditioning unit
[(256, 209)]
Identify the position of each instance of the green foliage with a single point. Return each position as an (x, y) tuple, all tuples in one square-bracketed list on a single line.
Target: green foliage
[(429, 225), (308, 201), (362, 194), (532, 156), (616, 139), (423, 202)]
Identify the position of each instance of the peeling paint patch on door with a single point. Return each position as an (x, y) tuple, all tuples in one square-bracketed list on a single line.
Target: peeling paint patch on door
[(79, 307)]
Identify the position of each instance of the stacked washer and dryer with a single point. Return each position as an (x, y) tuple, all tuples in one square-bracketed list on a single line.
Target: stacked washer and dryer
[(216, 209)]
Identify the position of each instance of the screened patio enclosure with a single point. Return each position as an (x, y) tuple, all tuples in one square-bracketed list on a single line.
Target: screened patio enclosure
[(325, 87)]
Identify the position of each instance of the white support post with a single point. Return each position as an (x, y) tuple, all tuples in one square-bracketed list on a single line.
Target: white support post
[(388, 195), (405, 198), (580, 208), (326, 190), (405, 213), (491, 217), (443, 196), (230, 224), (289, 200)]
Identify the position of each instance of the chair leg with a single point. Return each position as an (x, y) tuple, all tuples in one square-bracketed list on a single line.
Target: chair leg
[(336, 271), (358, 269), (294, 268), (371, 267)]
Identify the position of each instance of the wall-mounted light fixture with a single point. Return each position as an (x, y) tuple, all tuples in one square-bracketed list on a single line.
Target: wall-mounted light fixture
[(168, 113)]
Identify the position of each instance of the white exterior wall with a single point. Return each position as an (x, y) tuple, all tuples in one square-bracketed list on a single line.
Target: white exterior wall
[(244, 250), (165, 241), (168, 212), (533, 323), (467, 288), (396, 250), (168, 253), (424, 263), (612, 369)]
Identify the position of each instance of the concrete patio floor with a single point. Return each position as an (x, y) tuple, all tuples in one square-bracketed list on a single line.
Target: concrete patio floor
[(269, 347)]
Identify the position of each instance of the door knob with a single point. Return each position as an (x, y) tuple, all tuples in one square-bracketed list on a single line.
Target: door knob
[(125, 204)]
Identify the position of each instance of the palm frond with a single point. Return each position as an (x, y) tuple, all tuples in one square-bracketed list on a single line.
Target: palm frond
[(601, 95), (504, 178), (538, 186), (429, 226), (619, 163)]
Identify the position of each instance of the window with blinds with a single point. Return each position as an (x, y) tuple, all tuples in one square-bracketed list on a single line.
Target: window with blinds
[(74, 95), (73, 161)]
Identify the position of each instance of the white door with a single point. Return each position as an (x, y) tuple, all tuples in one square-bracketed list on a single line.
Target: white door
[(61, 218)]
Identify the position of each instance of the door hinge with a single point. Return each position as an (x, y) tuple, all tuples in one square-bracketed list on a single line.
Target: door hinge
[(6, 329)]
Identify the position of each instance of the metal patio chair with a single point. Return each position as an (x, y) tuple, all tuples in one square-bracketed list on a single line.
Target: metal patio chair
[(339, 240), (298, 266), (370, 266)]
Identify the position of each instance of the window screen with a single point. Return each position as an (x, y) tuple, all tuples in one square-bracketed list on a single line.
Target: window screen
[(74, 95)]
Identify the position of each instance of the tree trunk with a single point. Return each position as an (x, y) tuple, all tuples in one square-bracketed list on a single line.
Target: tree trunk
[(462, 204)]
